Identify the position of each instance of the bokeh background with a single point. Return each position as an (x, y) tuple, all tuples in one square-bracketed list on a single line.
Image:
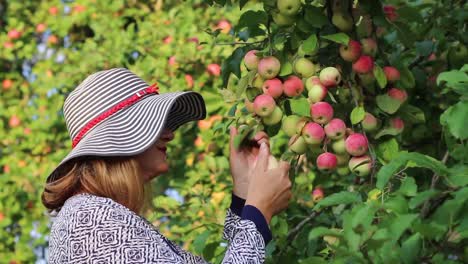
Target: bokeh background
[(412, 208), (49, 47)]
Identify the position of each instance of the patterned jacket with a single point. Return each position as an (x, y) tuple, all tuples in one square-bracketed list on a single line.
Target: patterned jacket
[(92, 229)]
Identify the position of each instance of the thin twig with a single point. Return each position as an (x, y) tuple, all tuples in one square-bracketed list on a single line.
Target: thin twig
[(239, 43), (292, 234), (435, 178)]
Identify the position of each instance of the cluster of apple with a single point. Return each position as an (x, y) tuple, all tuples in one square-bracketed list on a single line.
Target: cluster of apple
[(316, 132), (361, 55)]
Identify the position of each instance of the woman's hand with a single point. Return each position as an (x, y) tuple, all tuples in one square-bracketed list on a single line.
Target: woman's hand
[(243, 160), (270, 189)]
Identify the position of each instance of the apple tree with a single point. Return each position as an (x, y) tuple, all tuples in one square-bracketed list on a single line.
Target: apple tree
[(368, 101)]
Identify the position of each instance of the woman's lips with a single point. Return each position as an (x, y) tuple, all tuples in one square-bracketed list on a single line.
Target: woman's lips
[(163, 149)]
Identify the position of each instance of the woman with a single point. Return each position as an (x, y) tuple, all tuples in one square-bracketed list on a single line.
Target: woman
[(120, 126)]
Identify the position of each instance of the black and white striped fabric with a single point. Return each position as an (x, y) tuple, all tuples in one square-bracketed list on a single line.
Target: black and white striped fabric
[(131, 130), (92, 229)]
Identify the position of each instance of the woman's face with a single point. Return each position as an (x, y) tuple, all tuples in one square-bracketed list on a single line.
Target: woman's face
[(153, 160)]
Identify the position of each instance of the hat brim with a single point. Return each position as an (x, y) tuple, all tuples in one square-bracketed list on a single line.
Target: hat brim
[(134, 129)]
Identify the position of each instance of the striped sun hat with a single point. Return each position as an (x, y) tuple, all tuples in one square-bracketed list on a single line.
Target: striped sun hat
[(115, 113)]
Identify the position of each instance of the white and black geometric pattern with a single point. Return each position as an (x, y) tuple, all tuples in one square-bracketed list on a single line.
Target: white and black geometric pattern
[(92, 229)]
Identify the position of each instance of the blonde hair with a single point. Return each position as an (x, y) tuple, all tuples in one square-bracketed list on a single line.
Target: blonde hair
[(115, 178)]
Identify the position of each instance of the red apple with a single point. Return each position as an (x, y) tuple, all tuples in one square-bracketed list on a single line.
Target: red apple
[(214, 69), (369, 46), (269, 67), (321, 112), (391, 73), (8, 45), (224, 25), (7, 84), (14, 34), (397, 124), (53, 10), (356, 144), (264, 105), (369, 123), (326, 161), (313, 133), (330, 76), (52, 39), (167, 39), (41, 27), (273, 87), (397, 94), (293, 86), (317, 194), (363, 65), (351, 52), (251, 60), (189, 80), (14, 121), (335, 129)]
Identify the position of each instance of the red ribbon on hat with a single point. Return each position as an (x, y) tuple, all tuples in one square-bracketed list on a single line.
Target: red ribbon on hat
[(153, 89)]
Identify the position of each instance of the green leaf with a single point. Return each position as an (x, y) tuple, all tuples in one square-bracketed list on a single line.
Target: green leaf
[(340, 38), (200, 241), (388, 131), (310, 44), (400, 224), (408, 187), (406, 78), (209, 250), (339, 198), (387, 104), (379, 75), (458, 175), (421, 198), (228, 95), (322, 231), (418, 159), (300, 106), (232, 64), (242, 3), (410, 249), (455, 118), (286, 69), (405, 35), (412, 114), (424, 48), (315, 17), (388, 150), (252, 20), (457, 80), (242, 85), (278, 42), (357, 115)]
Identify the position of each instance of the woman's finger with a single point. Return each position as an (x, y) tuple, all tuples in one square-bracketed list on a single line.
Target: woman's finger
[(260, 135)]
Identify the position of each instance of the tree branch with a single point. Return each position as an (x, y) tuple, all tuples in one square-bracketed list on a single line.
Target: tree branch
[(435, 178), (292, 234)]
